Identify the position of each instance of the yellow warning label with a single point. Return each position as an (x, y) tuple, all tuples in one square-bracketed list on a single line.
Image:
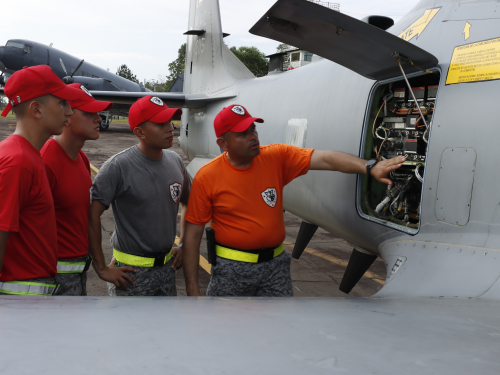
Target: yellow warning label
[(475, 62), (418, 27)]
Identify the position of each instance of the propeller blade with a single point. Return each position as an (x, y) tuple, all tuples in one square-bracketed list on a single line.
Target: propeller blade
[(63, 67), (79, 65)]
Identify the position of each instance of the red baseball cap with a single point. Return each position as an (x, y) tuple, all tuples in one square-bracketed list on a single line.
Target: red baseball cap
[(150, 108), (234, 118), (86, 102), (33, 82)]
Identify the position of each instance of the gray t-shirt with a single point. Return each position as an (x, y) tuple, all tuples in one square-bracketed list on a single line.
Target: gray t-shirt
[(144, 194)]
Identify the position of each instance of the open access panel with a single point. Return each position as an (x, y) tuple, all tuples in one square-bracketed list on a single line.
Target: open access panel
[(395, 126)]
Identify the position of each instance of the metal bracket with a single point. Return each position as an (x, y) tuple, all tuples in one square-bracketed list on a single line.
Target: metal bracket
[(195, 32)]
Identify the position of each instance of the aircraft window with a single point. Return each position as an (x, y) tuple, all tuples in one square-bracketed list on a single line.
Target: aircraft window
[(296, 56), (308, 56), (27, 49), (394, 127), (14, 44)]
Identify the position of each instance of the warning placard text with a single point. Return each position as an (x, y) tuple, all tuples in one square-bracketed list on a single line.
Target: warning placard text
[(475, 62)]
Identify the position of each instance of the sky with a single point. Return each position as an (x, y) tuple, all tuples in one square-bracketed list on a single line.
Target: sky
[(146, 35)]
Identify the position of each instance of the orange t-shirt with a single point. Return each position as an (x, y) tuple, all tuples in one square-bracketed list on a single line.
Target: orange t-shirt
[(246, 205)]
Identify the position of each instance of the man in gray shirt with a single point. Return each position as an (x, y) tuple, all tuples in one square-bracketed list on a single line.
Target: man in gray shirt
[(144, 185)]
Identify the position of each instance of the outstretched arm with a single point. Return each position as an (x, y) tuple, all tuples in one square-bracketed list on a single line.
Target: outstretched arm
[(346, 163), (192, 239), (115, 275)]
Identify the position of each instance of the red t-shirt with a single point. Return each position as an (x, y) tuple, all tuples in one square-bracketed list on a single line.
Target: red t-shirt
[(70, 183), (246, 205), (27, 212)]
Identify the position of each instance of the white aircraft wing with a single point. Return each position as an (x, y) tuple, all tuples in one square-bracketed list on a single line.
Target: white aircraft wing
[(182, 335)]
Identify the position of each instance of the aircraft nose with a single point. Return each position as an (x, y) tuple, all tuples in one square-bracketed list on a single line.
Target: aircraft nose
[(1, 53)]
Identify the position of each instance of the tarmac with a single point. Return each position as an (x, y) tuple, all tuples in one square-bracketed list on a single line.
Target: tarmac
[(317, 273)]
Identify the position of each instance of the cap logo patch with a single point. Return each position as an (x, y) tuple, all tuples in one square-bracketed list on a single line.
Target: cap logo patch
[(12, 103), (157, 101), (238, 109), (84, 89), (19, 100), (175, 191), (270, 196)]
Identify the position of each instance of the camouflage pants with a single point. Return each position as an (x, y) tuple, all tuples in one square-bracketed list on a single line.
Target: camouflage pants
[(231, 278), (72, 284), (43, 280), (149, 281)]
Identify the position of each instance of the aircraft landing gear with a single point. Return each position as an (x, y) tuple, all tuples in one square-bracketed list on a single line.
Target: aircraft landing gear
[(104, 125)]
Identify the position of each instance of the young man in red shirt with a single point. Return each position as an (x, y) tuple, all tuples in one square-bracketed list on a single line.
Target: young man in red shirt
[(251, 260), (68, 171), (28, 236)]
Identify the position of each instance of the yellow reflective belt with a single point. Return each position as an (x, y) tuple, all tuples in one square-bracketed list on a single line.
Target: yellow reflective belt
[(70, 267), (242, 256), (27, 288), (135, 260)]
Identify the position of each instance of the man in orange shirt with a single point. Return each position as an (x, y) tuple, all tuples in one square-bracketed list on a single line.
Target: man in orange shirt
[(251, 260)]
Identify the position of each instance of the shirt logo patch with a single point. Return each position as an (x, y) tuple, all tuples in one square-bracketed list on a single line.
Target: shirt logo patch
[(84, 89), (270, 196), (175, 191), (157, 101), (238, 109)]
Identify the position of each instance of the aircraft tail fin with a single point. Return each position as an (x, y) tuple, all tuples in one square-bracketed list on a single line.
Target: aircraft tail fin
[(210, 65)]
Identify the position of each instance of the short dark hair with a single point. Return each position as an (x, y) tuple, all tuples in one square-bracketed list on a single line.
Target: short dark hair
[(20, 110)]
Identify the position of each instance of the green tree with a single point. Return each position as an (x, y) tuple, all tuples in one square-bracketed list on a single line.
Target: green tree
[(158, 85), (253, 59), (176, 67), (125, 72), (282, 47)]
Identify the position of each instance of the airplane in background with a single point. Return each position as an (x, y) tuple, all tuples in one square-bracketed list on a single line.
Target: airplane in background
[(18, 53), (421, 88)]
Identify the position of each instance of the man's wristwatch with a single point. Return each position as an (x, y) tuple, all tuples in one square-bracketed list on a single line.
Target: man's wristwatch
[(369, 165), (180, 245)]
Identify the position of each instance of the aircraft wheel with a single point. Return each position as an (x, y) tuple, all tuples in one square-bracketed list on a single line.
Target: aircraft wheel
[(104, 125)]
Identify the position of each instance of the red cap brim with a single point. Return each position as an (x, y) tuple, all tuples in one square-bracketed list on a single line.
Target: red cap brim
[(165, 115), (68, 93), (245, 124), (6, 110), (94, 106)]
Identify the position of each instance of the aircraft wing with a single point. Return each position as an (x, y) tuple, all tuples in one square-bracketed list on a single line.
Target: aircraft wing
[(187, 335), (347, 41), (173, 100)]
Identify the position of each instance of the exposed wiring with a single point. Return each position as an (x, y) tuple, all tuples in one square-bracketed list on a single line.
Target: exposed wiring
[(376, 117), (385, 133), (417, 174), (380, 149), (423, 136), (418, 120)]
